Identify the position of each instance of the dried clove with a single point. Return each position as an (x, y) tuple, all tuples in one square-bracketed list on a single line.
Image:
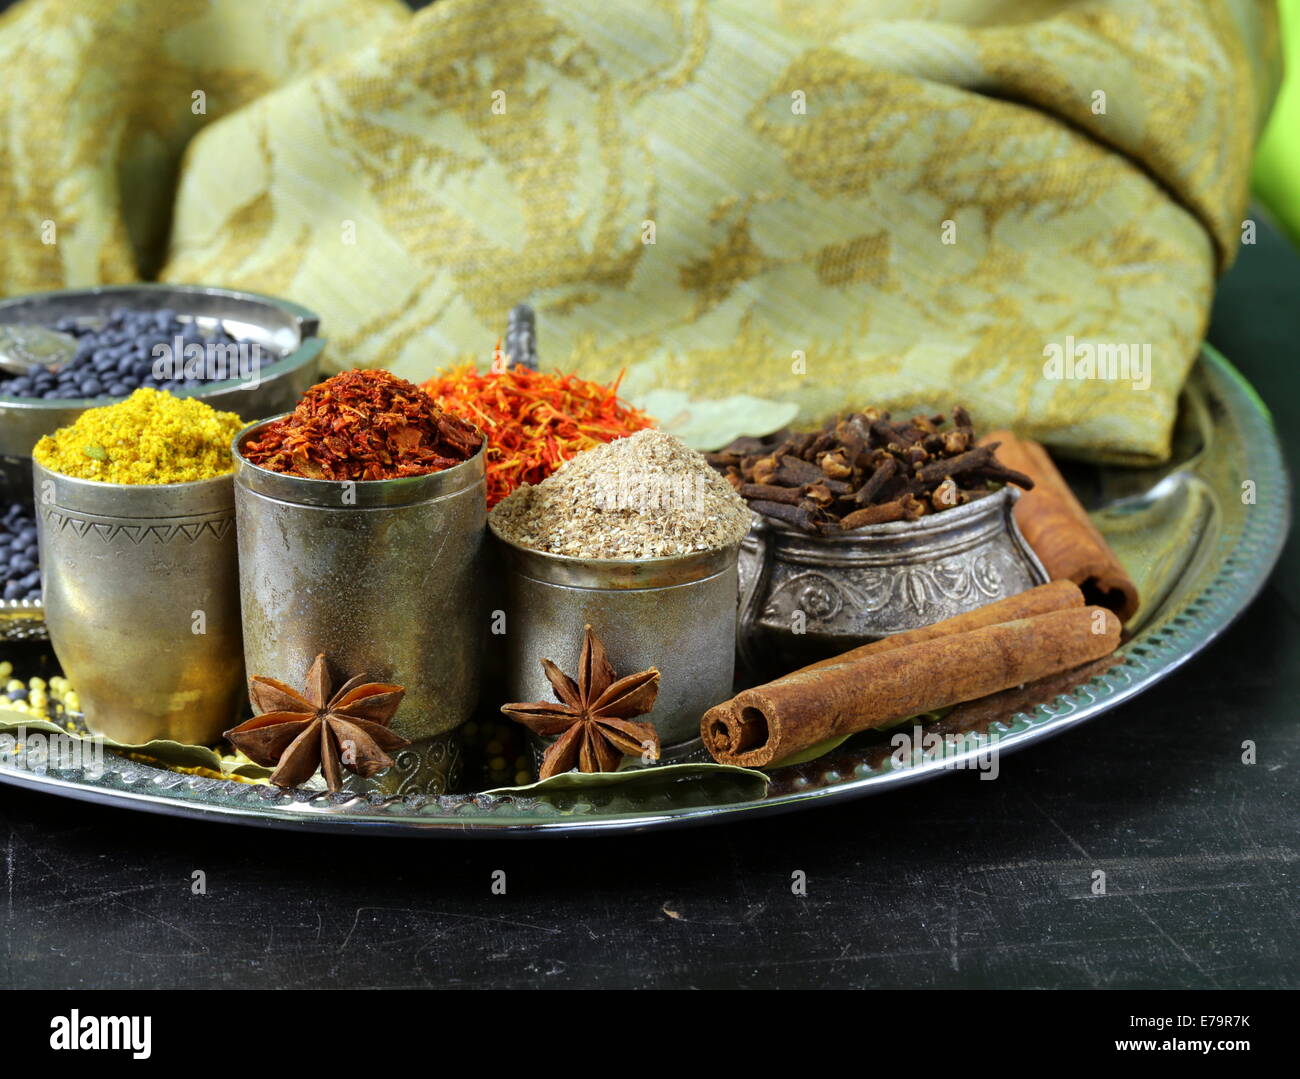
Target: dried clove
[(874, 515), (864, 468), (953, 466), (791, 515), (819, 494), (887, 470), (946, 495), (766, 492)]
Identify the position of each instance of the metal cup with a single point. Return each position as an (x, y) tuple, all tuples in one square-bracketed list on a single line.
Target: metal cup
[(677, 614), (141, 595), (383, 576)]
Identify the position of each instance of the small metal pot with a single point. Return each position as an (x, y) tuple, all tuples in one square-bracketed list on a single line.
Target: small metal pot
[(383, 576), (141, 593), (804, 598), (677, 614), (285, 331)]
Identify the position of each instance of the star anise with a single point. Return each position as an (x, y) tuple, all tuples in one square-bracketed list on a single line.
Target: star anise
[(594, 715), (302, 732)]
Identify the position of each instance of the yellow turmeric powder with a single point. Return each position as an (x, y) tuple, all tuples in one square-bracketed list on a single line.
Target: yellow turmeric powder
[(151, 437)]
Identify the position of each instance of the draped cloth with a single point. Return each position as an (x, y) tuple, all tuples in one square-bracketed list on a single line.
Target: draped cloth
[(833, 202)]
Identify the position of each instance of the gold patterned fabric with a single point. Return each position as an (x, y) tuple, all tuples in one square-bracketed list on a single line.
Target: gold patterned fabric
[(835, 202)]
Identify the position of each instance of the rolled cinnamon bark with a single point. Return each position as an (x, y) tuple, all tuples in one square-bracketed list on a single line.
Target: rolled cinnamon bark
[(775, 721), (1053, 596), (1060, 531), (979, 713)]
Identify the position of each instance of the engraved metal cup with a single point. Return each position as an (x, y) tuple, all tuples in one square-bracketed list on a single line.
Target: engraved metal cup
[(804, 597), (383, 576), (677, 614), (142, 602)]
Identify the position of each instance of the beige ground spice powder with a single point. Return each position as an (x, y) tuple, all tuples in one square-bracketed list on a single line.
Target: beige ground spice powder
[(645, 496)]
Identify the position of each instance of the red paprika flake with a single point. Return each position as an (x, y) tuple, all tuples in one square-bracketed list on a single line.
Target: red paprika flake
[(364, 425), (534, 420)]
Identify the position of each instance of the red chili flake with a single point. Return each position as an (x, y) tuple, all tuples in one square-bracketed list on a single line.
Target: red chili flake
[(364, 425)]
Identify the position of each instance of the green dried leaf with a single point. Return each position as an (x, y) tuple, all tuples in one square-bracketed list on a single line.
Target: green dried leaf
[(822, 748), (710, 425), (710, 784), (166, 752), (11, 719)]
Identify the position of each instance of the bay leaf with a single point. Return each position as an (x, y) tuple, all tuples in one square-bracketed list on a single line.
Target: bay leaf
[(714, 784), (710, 425), (164, 751), (822, 748)]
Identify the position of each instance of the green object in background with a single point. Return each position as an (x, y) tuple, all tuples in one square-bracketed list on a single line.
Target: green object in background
[(1276, 175), (710, 425), (162, 752)]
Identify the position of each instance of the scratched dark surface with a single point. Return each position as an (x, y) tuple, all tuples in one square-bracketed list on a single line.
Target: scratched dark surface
[(959, 882)]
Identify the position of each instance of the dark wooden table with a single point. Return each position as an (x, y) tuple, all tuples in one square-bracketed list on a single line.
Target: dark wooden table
[(957, 882)]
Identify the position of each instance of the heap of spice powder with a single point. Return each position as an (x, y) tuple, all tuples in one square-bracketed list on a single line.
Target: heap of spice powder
[(534, 421), (149, 438), (644, 496), (364, 425)]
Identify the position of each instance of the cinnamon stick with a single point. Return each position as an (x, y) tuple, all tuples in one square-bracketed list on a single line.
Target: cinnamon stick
[(777, 720), (1060, 531), (1053, 596)]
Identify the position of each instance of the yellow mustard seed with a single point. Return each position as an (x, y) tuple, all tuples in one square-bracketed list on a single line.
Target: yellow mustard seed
[(151, 437)]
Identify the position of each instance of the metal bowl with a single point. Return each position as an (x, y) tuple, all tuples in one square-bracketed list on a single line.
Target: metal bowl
[(283, 329), (805, 597)]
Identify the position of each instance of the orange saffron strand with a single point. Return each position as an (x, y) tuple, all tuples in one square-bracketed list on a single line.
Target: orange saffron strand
[(534, 421)]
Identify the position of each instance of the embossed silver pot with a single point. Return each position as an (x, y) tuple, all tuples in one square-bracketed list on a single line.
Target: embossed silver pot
[(677, 614), (141, 596), (804, 598), (383, 576)]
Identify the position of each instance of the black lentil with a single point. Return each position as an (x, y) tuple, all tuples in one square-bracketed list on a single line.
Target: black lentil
[(19, 562), (116, 357)]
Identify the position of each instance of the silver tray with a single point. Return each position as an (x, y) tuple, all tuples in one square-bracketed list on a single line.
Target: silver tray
[(1200, 552)]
